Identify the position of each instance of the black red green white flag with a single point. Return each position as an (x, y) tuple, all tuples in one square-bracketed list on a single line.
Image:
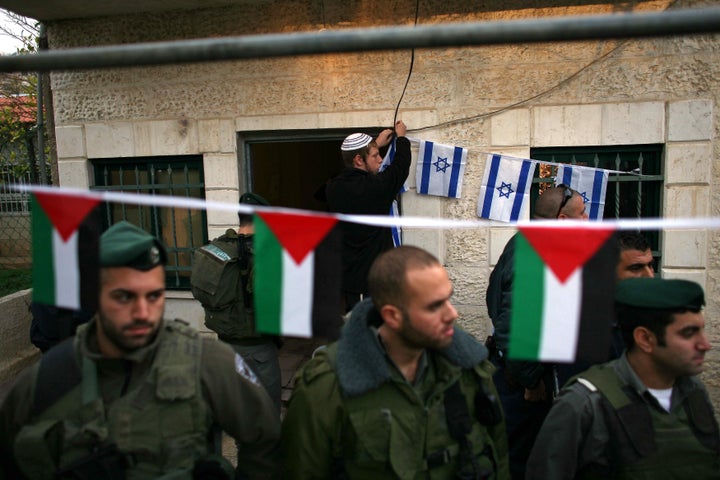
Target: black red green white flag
[(297, 274), (65, 246), (562, 298)]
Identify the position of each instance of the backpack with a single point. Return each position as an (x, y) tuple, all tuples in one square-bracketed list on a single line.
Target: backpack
[(221, 282)]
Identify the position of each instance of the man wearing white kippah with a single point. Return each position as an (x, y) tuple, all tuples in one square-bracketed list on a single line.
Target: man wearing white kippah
[(362, 189)]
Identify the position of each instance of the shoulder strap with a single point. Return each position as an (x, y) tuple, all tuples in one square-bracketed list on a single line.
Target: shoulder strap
[(58, 373), (628, 417)]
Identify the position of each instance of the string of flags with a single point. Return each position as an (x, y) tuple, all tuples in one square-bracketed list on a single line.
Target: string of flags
[(299, 251), (505, 190)]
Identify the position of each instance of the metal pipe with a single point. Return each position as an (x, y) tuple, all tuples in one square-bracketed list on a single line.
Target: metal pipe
[(657, 24), (41, 116)]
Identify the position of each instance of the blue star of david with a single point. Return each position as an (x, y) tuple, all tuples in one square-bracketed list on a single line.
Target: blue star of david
[(584, 197), (441, 164), (505, 189)]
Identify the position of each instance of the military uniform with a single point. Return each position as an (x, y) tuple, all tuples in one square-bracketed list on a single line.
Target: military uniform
[(222, 281), (587, 436), (94, 407), (607, 423), (158, 407), (353, 414)]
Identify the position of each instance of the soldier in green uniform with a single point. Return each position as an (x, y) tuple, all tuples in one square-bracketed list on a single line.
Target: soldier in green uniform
[(644, 415), (133, 395), (221, 281), (403, 394)]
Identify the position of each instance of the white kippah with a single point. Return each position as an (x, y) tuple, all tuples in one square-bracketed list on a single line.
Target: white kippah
[(355, 141)]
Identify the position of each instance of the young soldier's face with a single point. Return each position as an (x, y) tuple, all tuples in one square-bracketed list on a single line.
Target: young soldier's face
[(635, 264), (683, 352), (132, 303), (429, 316)]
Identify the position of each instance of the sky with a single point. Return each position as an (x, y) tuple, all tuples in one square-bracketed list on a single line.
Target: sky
[(8, 44)]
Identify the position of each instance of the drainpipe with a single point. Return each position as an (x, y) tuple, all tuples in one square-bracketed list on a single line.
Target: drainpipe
[(42, 45)]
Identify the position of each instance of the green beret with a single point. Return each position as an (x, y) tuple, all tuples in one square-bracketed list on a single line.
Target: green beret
[(125, 245), (660, 294), (253, 199)]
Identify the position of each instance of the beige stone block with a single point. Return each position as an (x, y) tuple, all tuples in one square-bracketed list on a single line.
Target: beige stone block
[(221, 171), (227, 215), (685, 249), (424, 206), (688, 162), (142, 133), (690, 120), (217, 135), (510, 128), (110, 140), (276, 122), (427, 239), (173, 137), (182, 305), (566, 125), (498, 239), (70, 141), (633, 123), (686, 201), (356, 119), (74, 173), (694, 275), (217, 230)]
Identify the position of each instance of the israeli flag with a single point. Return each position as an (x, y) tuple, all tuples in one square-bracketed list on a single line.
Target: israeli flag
[(394, 210), (505, 189), (440, 169), (590, 183)]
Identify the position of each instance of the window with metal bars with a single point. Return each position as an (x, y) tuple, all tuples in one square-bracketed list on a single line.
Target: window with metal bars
[(182, 230), (628, 196)]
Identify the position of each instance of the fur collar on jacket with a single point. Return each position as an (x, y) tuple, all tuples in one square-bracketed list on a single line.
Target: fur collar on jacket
[(361, 366)]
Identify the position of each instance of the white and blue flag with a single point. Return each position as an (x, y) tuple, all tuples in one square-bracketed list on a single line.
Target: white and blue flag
[(590, 183), (394, 210), (440, 169), (505, 189)]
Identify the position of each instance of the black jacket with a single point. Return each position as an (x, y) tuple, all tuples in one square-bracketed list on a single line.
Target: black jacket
[(355, 191)]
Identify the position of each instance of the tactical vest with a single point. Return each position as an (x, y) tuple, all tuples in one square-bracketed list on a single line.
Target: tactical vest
[(223, 286), (648, 444), (160, 428), (386, 428)]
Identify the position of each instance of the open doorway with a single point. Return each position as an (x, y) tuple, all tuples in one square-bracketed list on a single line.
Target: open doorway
[(290, 169)]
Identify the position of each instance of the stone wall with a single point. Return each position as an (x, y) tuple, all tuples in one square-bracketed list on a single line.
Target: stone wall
[(17, 351), (504, 99)]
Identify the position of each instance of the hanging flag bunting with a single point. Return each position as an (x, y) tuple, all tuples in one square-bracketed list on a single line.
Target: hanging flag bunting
[(440, 169), (297, 274), (563, 286), (65, 246), (394, 208), (505, 189), (590, 183)]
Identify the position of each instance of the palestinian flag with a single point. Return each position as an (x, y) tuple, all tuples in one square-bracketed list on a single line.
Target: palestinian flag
[(65, 246), (297, 275), (563, 294)]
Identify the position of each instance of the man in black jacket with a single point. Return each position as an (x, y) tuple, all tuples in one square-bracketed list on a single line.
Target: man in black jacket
[(525, 387), (362, 189)]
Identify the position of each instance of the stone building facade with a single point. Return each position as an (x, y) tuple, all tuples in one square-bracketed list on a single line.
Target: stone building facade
[(507, 99)]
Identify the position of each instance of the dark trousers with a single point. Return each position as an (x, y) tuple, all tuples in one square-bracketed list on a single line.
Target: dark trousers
[(523, 419)]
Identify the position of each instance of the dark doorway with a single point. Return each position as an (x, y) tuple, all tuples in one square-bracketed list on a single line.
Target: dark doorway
[(290, 169)]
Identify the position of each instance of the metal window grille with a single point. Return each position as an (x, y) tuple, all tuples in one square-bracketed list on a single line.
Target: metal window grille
[(12, 201), (181, 230), (628, 196)]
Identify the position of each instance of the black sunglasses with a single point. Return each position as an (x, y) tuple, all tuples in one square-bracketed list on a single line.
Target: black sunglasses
[(567, 195)]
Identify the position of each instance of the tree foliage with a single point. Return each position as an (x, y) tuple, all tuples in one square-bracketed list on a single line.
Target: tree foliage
[(18, 101)]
